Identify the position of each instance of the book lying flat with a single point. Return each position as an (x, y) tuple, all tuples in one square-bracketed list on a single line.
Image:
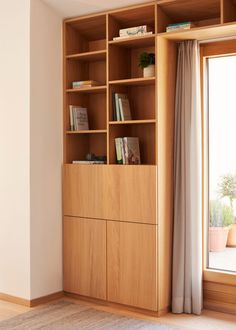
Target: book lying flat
[(85, 83), (133, 35), (179, 26), (136, 30), (88, 162)]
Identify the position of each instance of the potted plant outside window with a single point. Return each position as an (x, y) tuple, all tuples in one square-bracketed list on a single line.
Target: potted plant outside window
[(147, 63), (221, 217), (227, 188)]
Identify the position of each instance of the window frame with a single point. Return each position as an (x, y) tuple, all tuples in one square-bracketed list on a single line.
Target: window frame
[(210, 50)]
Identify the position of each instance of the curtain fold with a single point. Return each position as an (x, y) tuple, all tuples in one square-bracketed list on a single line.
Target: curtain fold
[(187, 239)]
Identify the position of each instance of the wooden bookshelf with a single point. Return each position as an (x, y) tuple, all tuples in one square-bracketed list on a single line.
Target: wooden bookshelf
[(120, 216)]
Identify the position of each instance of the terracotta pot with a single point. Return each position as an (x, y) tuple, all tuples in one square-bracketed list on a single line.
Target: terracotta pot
[(231, 241), (149, 71), (218, 238)]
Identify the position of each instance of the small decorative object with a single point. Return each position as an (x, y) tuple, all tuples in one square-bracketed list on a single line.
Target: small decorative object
[(147, 63), (90, 156), (93, 157)]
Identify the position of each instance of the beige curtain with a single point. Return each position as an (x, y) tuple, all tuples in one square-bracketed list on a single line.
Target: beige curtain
[(187, 245)]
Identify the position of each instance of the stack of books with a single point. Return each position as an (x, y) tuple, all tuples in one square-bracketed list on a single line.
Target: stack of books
[(127, 150), (88, 162), (78, 118), (134, 31), (179, 26), (121, 107), (85, 83)]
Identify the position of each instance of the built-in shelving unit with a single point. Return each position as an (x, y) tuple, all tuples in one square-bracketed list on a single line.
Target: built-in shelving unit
[(92, 54), (118, 218)]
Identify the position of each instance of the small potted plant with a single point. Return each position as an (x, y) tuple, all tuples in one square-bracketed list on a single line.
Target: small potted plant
[(221, 217), (227, 188), (147, 63)]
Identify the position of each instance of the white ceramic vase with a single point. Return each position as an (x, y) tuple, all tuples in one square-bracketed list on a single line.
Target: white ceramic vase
[(149, 71)]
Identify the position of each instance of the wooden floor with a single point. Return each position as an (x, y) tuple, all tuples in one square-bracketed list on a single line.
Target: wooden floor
[(207, 321)]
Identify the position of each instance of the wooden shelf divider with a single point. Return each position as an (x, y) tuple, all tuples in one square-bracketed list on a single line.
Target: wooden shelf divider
[(132, 42), (91, 131), (134, 81), (133, 122), (96, 55), (95, 89)]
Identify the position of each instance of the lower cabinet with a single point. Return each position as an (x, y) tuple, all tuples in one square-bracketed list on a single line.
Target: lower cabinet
[(111, 260), (132, 264), (85, 257)]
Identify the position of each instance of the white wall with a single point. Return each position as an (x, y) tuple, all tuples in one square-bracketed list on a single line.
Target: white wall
[(45, 150), (30, 149), (14, 148)]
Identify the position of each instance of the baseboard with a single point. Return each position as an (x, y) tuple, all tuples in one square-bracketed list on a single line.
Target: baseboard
[(220, 297), (220, 307), (117, 306), (46, 299), (33, 302), (15, 300)]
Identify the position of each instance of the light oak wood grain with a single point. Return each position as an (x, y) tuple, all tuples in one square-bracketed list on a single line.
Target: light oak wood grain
[(111, 192), (85, 257), (167, 57), (228, 11), (132, 262)]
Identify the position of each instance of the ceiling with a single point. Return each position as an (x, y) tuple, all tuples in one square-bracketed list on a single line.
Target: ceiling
[(70, 8)]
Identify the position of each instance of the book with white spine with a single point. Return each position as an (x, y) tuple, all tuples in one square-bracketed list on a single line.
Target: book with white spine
[(117, 103), (119, 150)]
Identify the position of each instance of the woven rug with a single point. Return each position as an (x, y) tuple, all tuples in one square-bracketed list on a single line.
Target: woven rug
[(65, 315)]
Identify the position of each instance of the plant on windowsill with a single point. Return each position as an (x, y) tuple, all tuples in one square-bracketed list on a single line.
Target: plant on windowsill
[(147, 63), (221, 217), (227, 188)]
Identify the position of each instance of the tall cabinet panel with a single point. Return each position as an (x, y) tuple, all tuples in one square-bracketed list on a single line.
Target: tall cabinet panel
[(132, 264), (85, 257)]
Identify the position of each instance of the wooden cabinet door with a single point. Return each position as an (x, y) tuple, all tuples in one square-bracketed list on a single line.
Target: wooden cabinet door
[(132, 264), (123, 193), (85, 257)]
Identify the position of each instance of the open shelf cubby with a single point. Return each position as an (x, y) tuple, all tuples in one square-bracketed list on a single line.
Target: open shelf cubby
[(85, 35), (141, 99), (85, 69), (199, 12), (96, 109), (145, 133), (143, 15), (79, 145), (124, 61), (229, 11)]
